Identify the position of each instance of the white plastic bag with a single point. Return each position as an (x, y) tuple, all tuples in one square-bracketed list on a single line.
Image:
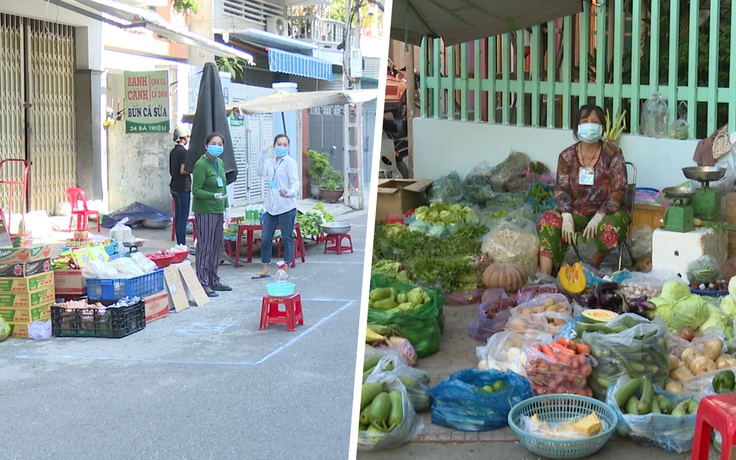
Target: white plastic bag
[(127, 267), (503, 352), (144, 263), (96, 269), (39, 330), (515, 241), (122, 232), (654, 117)]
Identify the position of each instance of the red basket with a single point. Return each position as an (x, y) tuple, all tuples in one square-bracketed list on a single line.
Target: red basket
[(180, 256), (162, 262)]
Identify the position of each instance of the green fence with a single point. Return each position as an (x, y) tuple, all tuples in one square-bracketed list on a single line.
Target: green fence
[(625, 51)]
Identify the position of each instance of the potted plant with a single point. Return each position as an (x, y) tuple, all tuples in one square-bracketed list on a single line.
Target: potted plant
[(318, 162), (331, 187)]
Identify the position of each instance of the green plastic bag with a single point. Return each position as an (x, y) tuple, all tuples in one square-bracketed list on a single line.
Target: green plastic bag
[(421, 326)]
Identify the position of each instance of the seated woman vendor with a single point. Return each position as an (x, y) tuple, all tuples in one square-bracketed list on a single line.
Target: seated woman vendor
[(590, 192)]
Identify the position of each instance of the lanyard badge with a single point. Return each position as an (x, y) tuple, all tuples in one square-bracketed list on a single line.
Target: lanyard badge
[(586, 176)]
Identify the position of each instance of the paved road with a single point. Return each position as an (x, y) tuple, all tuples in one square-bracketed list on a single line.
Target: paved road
[(201, 383)]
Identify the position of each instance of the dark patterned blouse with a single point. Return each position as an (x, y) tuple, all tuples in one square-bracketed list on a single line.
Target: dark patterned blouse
[(608, 192)]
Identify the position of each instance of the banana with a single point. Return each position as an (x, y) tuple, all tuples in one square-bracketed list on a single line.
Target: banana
[(373, 336)]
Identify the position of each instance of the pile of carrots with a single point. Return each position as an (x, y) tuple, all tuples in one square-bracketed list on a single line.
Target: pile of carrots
[(562, 366)]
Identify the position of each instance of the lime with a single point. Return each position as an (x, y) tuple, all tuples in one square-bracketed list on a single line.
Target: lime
[(488, 388), (498, 385)]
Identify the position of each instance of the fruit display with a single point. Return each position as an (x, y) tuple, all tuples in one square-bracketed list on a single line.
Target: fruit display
[(572, 278)]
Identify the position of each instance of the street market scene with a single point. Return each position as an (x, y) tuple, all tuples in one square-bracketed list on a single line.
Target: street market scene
[(553, 265), (183, 217)]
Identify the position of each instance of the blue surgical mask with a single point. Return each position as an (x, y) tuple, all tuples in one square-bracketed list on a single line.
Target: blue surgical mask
[(215, 150), (281, 152), (590, 133)]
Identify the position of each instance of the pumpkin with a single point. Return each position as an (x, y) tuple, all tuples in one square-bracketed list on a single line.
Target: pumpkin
[(505, 275), (572, 278)]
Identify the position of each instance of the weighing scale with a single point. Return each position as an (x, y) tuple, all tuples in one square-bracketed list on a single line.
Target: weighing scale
[(706, 203), (678, 217), (132, 246)]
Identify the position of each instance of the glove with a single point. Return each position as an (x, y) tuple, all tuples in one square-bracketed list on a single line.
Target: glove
[(592, 228), (220, 196), (265, 149), (568, 227)]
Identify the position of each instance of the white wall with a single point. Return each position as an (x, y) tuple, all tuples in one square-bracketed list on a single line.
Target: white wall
[(441, 146)]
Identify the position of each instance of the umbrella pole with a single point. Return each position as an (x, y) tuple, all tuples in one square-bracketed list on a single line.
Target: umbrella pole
[(283, 123)]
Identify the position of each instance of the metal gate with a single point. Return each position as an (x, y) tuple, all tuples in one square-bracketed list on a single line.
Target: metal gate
[(248, 140), (326, 133), (37, 100)]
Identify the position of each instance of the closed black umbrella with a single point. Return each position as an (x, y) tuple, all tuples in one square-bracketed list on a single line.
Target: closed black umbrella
[(209, 117)]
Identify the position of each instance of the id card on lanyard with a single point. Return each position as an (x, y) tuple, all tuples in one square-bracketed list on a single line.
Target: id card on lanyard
[(272, 183), (217, 171), (586, 175)]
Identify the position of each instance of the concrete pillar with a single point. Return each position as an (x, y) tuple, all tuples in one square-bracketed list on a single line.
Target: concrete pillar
[(89, 102)]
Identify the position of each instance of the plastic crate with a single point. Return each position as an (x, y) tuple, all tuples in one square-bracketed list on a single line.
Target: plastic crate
[(118, 288), (90, 322)]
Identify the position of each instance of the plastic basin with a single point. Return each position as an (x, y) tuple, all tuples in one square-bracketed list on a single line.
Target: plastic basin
[(280, 289)]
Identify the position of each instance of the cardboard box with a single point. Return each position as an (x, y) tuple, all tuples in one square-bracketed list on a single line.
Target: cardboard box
[(27, 284), (32, 253), (19, 330), (648, 214), (70, 282), (397, 196), (157, 306), (25, 268), (27, 299), (26, 314)]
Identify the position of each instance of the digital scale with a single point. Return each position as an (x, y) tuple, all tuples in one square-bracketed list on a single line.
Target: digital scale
[(687, 203)]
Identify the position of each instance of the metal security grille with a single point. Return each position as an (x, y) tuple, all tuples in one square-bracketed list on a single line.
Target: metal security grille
[(37, 100), (12, 119), (51, 114)]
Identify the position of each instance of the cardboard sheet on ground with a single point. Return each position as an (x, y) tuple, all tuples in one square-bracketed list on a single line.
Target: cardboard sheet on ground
[(175, 288), (192, 286)]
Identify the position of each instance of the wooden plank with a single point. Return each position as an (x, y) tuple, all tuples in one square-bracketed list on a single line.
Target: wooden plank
[(492, 68), (566, 71), (464, 82), (520, 70), (550, 84), (436, 109), (715, 21), (477, 109), (584, 53), (635, 94), (618, 38), (692, 69), (672, 95), (600, 45), (450, 101), (654, 49), (535, 62), (505, 77)]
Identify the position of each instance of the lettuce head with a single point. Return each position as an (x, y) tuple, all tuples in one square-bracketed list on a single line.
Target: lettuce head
[(690, 311), (675, 289), (664, 306), (715, 319), (728, 306)]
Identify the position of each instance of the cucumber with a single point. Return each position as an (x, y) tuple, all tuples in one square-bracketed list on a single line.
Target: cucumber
[(631, 405), (655, 406), (368, 393), (397, 410), (680, 410), (364, 420), (371, 361), (629, 321), (692, 406), (665, 405), (647, 393), (626, 391), (380, 410)]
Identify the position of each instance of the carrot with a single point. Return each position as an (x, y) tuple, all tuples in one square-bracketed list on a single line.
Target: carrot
[(547, 350), (586, 370), (582, 360), (538, 347), (556, 346), (563, 341), (582, 348)]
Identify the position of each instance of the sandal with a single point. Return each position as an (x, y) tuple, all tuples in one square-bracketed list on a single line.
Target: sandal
[(222, 287), (259, 276), (211, 293)]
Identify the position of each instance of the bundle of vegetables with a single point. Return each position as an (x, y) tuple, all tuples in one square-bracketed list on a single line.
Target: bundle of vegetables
[(627, 345), (651, 416), (391, 300), (430, 261), (441, 213), (387, 418), (540, 197), (446, 189), (416, 381), (608, 296), (562, 366), (389, 269), (520, 181)]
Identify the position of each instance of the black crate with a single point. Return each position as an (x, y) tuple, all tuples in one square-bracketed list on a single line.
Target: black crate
[(90, 322)]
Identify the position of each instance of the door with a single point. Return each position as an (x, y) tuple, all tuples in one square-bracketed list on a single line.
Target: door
[(326, 133), (37, 97)]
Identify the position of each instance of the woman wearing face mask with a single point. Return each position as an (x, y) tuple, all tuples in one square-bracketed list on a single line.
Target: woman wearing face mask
[(590, 192), (209, 201), (280, 206)]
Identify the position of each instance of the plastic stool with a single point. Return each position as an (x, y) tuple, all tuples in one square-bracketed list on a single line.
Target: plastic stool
[(337, 245), (270, 313), (719, 413)]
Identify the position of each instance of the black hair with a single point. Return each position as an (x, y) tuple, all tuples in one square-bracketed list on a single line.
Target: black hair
[(584, 111), (276, 139), (211, 136)]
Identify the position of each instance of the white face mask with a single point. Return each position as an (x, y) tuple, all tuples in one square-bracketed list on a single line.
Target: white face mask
[(590, 132)]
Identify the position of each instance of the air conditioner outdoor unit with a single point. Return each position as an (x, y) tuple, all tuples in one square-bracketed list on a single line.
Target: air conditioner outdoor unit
[(276, 26)]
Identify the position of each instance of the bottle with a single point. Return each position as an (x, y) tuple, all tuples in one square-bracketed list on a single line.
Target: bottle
[(249, 214), (281, 275)]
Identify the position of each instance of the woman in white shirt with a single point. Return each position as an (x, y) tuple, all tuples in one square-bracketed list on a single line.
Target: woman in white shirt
[(283, 187)]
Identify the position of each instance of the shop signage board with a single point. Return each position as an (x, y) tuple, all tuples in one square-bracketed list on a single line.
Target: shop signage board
[(146, 102)]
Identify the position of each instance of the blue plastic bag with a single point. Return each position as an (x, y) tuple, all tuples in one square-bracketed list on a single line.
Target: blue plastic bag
[(459, 401)]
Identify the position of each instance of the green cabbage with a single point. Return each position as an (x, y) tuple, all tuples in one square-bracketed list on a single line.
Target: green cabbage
[(4, 329), (690, 311), (732, 287), (716, 319), (664, 306), (675, 289), (728, 306)]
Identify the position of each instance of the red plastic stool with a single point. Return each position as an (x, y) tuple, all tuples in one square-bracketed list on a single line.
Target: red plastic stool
[(719, 413), (337, 245), (291, 316)]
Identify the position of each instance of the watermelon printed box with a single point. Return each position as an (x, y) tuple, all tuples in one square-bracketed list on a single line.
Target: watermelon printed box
[(27, 284), (32, 253), (25, 268), (27, 299), (26, 315)]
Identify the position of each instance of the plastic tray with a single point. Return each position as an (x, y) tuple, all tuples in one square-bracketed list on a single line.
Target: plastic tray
[(118, 288), (709, 293), (113, 323)]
